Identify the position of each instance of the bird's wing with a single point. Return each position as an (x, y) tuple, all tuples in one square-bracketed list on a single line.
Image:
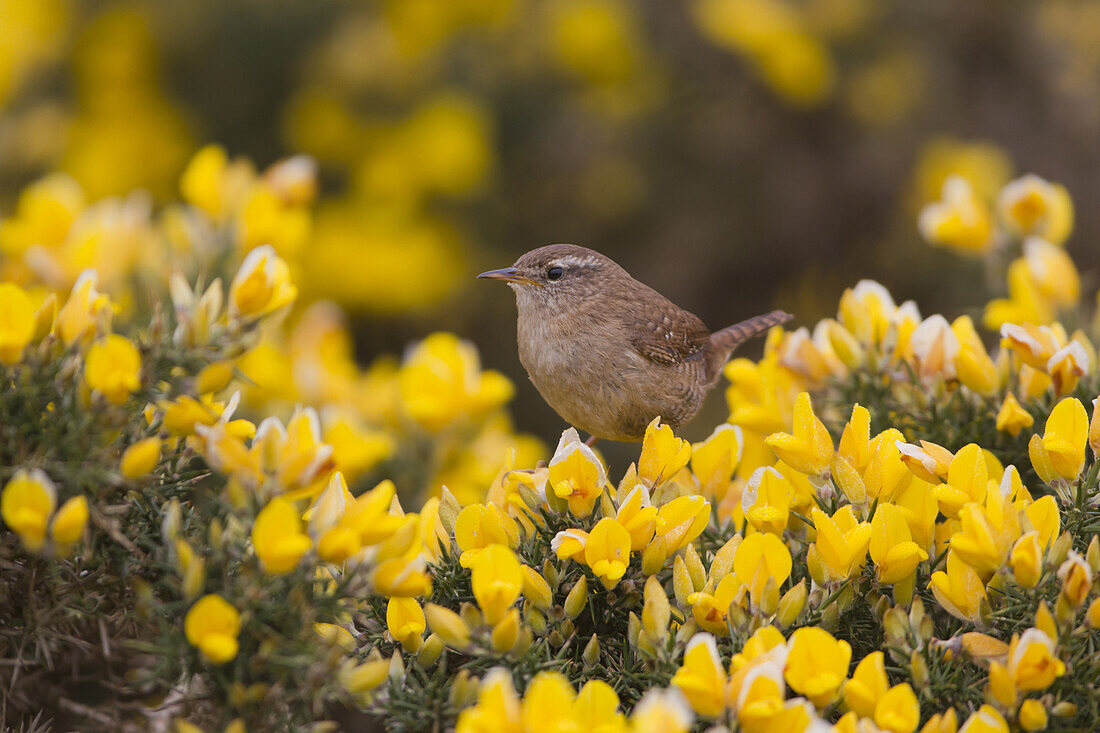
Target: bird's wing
[(669, 336)]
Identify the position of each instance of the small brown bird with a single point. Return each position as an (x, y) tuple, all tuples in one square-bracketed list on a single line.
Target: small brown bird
[(608, 353)]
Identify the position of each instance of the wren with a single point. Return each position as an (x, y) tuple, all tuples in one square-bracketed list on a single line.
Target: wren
[(608, 353)]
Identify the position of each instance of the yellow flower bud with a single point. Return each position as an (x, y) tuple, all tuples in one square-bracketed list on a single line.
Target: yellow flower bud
[(591, 653), (68, 523), (1026, 560), (430, 651), (791, 605), (1092, 615), (1032, 715), (405, 621), (448, 626), (506, 632), (536, 589), (496, 579), (1076, 577), (1001, 687), (577, 598)]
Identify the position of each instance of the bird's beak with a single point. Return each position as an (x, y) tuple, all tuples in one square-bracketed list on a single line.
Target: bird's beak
[(508, 275)]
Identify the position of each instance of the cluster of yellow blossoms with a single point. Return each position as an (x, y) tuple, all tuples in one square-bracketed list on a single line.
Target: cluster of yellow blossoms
[(895, 531)]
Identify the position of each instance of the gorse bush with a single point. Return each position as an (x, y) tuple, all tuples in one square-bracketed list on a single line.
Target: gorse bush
[(205, 525)]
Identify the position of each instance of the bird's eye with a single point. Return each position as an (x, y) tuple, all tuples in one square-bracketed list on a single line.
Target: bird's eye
[(554, 273)]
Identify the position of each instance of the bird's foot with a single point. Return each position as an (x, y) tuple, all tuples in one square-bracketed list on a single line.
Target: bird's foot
[(592, 440)]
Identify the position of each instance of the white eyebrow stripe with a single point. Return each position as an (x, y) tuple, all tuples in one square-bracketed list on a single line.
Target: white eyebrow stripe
[(575, 261)]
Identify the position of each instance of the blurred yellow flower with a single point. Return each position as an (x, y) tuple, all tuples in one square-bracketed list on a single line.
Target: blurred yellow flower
[(17, 322), (86, 311), (406, 622), (960, 220), (69, 521), (212, 625), (1012, 417), (278, 538), (112, 367), (867, 686), (442, 382), (1031, 206), (26, 503), (261, 286), (497, 708), (1032, 662)]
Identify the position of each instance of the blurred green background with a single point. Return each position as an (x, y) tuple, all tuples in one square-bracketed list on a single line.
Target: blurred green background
[(737, 155)]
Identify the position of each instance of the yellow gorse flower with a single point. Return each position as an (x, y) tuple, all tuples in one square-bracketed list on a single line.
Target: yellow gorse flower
[(85, 312), (960, 220), (898, 711), (842, 542), (701, 677), (112, 367), (762, 557), (1033, 206), (766, 500), (405, 621), (810, 448), (261, 286), (497, 708), (278, 538), (483, 525), (1058, 456), (891, 545), (959, 590), (26, 504), (607, 551), (212, 626), (663, 454), (441, 381), (576, 474), (817, 664), (715, 459), (1012, 417), (17, 322), (496, 580), (1032, 663), (867, 686)]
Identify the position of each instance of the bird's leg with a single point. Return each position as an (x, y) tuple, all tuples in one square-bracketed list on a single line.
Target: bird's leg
[(592, 440)]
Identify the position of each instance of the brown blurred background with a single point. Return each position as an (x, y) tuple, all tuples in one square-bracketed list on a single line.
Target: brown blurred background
[(737, 155)]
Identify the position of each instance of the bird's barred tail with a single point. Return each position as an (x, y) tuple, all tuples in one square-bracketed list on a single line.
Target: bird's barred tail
[(725, 341)]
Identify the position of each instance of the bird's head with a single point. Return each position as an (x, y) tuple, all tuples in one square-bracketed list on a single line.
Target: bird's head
[(558, 275)]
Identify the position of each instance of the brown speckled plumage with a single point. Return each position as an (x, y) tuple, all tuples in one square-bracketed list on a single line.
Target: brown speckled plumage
[(608, 353)]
